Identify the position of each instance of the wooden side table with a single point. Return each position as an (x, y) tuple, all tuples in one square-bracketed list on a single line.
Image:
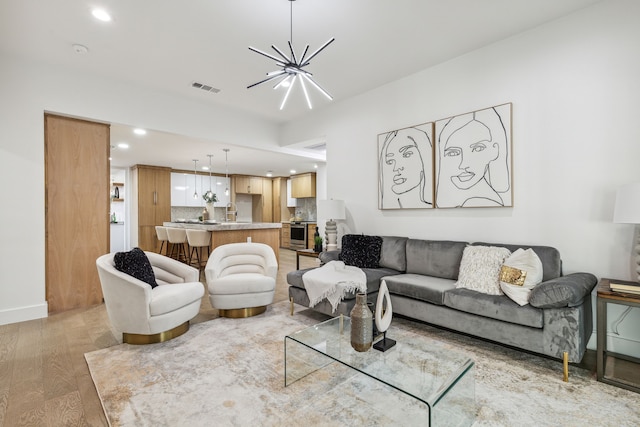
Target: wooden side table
[(305, 252), (606, 296)]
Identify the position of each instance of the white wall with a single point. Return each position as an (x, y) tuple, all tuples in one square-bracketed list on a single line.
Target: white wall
[(574, 85), (27, 91)]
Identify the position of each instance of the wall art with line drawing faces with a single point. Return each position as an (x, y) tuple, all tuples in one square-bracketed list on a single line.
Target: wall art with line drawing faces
[(473, 161), (405, 168)]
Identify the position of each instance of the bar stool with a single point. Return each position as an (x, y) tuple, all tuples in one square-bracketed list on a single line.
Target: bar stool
[(177, 238), (161, 234), (198, 239)]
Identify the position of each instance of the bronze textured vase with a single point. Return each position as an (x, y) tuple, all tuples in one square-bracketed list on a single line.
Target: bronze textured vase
[(361, 324)]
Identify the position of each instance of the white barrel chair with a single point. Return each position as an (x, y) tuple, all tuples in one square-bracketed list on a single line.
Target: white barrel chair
[(241, 278), (144, 315)]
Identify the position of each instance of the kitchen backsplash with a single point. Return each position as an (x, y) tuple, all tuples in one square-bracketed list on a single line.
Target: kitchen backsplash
[(306, 209), (185, 212)]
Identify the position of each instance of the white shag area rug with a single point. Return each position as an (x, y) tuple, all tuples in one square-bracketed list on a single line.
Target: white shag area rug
[(230, 372)]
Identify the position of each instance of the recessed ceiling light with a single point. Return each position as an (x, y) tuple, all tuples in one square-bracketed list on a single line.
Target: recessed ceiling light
[(205, 168), (139, 131), (315, 166), (292, 171), (123, 145), (80, 49), (101, 15), (269, 174)]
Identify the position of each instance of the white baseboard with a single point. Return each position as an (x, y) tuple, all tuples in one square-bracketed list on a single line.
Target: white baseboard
[(22, 314)]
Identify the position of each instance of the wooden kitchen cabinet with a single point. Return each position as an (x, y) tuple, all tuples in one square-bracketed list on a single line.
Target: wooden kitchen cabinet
[(153, 187), (285, 235), (248, 184), (303, 185), (263, 203), (267, 200)]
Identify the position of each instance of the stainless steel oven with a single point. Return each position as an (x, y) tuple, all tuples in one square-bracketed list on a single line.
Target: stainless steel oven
[(298, 236)]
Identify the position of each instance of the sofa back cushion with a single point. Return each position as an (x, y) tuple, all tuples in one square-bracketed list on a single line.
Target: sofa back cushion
[(394, 253), (550, 257), (437, 258)]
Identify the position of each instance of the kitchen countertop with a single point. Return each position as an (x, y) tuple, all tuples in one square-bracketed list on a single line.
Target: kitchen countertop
[(224, 226)]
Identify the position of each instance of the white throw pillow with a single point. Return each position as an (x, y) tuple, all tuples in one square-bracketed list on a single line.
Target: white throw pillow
[(480, 268), (527, 262)]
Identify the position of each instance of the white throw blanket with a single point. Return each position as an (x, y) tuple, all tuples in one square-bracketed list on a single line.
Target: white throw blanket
[(332, 281)]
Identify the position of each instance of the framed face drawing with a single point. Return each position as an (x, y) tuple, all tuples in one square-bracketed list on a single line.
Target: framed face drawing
[(405, 168), (473, 159)]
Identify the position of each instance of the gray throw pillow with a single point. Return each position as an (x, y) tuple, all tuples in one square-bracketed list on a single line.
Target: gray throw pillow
[(565, 291)]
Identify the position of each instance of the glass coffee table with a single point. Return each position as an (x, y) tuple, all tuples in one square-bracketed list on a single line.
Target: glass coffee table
[(426, 373)]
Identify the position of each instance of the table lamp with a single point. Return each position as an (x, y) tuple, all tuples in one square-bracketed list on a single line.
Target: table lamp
[(627, 211), (334, 210)]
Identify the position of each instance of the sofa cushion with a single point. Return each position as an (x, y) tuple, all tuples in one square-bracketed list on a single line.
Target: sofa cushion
[(498, 307), (436, 258), (419, 287), (550, 257), (393, 253), (136, 264), (529, 267), (480, 268), (361, 251)]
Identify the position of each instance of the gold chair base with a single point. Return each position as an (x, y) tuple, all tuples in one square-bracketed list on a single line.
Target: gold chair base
[(141, 339), (238, 313)]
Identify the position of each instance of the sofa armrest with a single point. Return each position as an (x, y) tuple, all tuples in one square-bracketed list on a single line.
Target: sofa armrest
[(328, 256), (565, 291)]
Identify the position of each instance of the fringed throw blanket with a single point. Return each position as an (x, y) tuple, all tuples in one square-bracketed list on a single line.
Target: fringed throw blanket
[(332, 281)]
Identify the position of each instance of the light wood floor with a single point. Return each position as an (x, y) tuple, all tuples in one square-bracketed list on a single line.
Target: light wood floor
[(44, 378)]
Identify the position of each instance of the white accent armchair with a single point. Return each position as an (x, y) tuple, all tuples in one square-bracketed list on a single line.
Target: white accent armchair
[(144, 315), (241, 278)]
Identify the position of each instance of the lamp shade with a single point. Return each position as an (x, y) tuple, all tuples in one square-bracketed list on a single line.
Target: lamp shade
[(627, 208), (331, 209)]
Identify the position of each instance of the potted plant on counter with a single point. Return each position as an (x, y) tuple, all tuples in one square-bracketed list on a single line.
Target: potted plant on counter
[(317, 240), (210, 198)]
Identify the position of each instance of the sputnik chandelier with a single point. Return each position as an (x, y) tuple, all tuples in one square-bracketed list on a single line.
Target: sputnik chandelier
[(292, 68)]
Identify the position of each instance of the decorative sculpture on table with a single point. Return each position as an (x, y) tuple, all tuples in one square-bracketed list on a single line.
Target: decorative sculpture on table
[(383, 315)]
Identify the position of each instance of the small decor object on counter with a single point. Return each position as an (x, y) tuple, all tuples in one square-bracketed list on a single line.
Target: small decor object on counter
[(205, 215), (361, 324), (383, 315), (113, 218)]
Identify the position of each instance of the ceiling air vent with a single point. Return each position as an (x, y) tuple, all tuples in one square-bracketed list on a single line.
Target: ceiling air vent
[(319, 147), (205, 87)]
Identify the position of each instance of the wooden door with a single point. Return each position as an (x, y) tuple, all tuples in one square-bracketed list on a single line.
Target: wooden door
[(76, 210)]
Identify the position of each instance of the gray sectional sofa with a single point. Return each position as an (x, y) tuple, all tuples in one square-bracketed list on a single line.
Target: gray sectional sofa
[(421, 276)]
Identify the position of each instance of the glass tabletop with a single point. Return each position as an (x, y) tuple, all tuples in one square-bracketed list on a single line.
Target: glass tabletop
[(420, 367)]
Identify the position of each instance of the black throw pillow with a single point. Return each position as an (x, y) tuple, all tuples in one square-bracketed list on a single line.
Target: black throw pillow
[(135, 263), (361, 251)]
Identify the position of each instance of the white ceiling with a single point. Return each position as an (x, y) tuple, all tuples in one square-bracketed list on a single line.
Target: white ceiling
[(168, 44)]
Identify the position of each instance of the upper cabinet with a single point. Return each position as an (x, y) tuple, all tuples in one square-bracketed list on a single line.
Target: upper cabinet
[(219, 186), (303, 185), (291, 202), (248, 184), (183, 185)]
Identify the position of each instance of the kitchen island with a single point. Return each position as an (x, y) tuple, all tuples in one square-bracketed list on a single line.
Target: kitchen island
[(235, 232)]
